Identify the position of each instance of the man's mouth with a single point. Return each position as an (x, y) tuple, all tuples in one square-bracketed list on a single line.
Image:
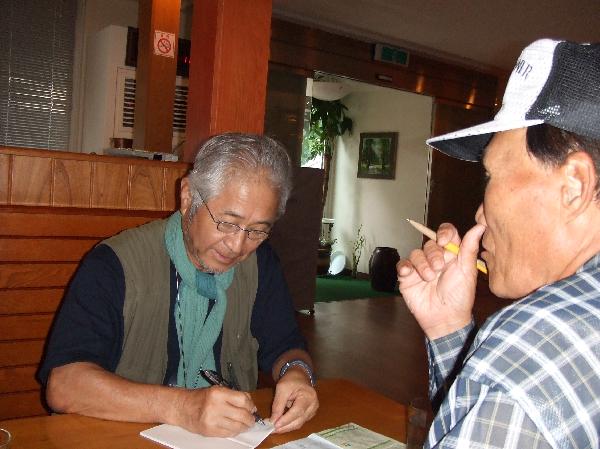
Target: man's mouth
[(223, 258)]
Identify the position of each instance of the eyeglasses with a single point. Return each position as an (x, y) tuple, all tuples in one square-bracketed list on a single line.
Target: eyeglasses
[(231, 228)]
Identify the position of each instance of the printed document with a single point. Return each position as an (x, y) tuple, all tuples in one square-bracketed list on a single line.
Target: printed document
[(348, 436)]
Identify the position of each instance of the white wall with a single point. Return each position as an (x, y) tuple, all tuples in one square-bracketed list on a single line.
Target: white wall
[(105, 52), (381, 205), (92, 17)]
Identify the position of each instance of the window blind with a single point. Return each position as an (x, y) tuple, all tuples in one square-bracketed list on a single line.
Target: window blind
[(36, 65)]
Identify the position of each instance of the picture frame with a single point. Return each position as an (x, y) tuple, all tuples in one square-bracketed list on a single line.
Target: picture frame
[(377, 155)]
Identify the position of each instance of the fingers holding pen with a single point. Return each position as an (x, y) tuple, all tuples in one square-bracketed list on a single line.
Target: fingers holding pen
[(417, 268), (428, 262), (447, 233)]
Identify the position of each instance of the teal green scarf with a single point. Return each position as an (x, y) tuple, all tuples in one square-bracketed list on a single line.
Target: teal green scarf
[(197, 332)]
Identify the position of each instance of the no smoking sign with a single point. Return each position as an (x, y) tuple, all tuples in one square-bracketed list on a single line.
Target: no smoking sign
[(164, 44)]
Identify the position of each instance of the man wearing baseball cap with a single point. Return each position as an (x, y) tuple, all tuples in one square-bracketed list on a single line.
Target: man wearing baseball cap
[(530, 377)]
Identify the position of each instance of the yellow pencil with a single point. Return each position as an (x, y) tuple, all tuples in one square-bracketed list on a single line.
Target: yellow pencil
[(449, 246)]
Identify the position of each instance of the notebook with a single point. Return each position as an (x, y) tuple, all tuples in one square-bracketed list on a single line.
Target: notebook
[(177, 438)]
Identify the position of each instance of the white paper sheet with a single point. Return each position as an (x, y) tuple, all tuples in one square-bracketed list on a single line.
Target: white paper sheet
[(178, 438)]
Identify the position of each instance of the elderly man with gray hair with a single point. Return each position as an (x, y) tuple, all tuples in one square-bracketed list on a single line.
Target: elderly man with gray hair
[(530, 377), (152, 309)]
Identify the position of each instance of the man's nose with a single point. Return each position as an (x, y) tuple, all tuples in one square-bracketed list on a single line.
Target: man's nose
[(235, 242)]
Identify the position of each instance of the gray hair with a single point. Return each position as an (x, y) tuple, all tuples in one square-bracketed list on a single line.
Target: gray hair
[(234, 155)]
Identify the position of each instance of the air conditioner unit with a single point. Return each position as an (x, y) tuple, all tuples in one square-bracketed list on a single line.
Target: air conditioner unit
[(109, 93), (125, 105)]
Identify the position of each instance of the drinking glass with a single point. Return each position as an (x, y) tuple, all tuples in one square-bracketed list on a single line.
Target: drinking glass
[(5, 439), (417, 423)]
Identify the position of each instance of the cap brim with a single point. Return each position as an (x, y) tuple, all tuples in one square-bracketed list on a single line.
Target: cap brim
[(468, 144)]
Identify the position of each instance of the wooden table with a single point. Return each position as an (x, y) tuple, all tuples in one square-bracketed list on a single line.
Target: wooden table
[(342, 401)]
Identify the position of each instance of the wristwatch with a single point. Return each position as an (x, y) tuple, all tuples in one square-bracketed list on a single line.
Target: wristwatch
[(302, 364)]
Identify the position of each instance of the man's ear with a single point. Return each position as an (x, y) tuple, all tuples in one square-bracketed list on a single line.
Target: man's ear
[(185, 196), (579, 189)]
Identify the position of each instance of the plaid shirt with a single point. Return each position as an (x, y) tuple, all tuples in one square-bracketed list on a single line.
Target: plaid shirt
[(531, 378)]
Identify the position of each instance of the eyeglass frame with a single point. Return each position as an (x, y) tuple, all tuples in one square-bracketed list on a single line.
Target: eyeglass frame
[(234, 228)]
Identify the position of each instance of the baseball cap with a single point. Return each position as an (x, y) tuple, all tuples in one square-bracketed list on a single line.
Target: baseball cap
[(553, 82)]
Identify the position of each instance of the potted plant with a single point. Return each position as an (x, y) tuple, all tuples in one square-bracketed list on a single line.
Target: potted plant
[(357, 247), (328, 120)]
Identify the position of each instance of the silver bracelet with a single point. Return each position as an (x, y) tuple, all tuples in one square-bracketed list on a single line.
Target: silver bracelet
[(302, 364)]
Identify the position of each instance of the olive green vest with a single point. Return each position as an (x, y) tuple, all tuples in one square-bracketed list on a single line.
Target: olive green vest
[(146, 266)]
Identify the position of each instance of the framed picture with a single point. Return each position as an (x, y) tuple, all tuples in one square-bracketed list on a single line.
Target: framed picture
[(377, 155)]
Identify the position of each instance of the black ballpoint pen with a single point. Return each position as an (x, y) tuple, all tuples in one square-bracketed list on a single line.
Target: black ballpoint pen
[(215, 378)]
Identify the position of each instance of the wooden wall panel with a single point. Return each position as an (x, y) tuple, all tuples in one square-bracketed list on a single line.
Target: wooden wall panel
[(70, 223), (71, 183), (108, 187), (30, 180), (35, 274), (43, 250), (284, 115), (18, 405), (4, 177), (453, 198), (146, 187), (304, 49), (20, 378), (172, 182), (19, 327), (295, 236), (22, 352), (33, 300)]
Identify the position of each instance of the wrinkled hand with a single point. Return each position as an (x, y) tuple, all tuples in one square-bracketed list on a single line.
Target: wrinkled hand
[(439, 287), (295, 401), (215, 411)]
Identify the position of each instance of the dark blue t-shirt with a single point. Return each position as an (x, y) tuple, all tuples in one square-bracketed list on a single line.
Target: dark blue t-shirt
[(89, 324)]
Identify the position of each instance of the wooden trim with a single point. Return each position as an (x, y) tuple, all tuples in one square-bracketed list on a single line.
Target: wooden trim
[(61, 179), (88, 157)]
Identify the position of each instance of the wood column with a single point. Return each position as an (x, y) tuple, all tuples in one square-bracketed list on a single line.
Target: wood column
[(228, 69), (155, 74)]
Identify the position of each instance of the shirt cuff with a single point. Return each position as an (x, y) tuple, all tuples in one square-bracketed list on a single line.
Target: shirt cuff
[(444, 351)]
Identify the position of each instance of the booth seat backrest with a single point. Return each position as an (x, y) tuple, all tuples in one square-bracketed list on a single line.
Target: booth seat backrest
[(39, 252), (54, 207)]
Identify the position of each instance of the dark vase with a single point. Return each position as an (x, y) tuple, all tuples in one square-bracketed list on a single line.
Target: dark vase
[(323, 258), (382, 269)]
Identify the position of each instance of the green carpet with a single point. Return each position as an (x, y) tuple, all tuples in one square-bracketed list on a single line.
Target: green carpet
[(339, 287)]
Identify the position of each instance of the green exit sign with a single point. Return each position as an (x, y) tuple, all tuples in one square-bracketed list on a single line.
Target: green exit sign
[(393, 55)]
